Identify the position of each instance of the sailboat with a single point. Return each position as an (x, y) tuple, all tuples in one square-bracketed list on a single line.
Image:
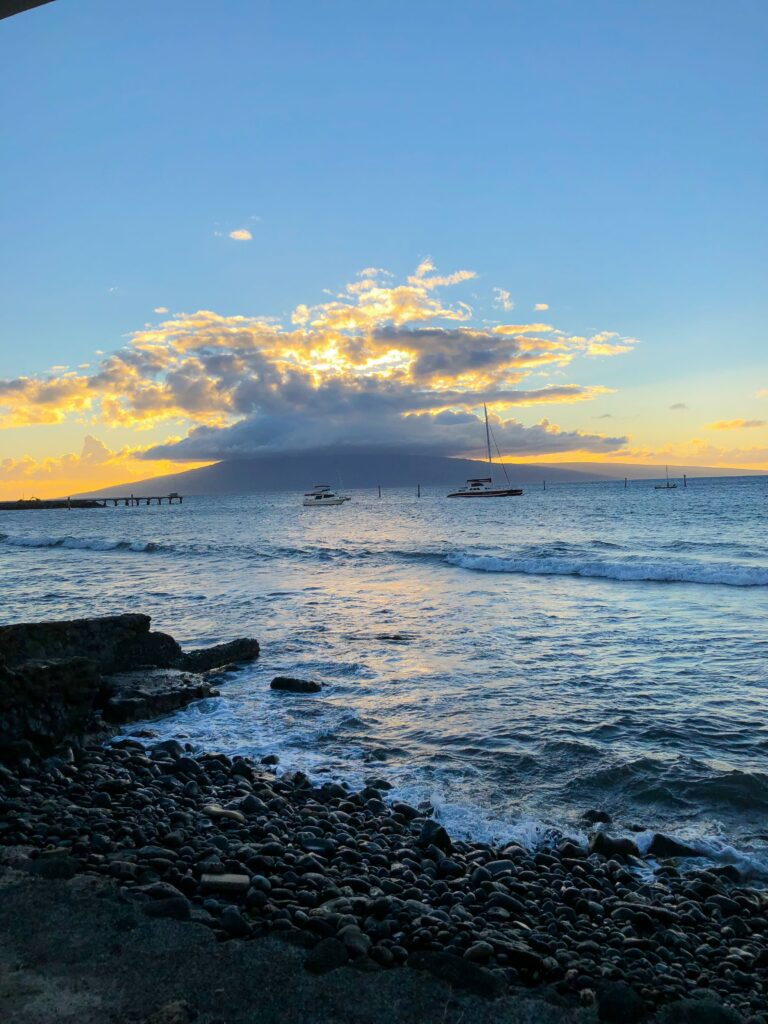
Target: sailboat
[(667, 486), (482, 487)]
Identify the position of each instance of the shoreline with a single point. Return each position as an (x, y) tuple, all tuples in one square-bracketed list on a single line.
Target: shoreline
[(355, 883), (352, 881)]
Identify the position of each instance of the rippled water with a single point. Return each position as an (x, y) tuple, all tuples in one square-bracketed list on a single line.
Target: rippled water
[(516, 661)]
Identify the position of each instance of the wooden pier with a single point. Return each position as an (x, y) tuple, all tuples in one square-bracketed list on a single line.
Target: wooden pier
[(30, 504)]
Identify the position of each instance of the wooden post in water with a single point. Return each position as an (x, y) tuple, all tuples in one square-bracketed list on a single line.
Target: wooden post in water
[(685, 480), (418, 490), (625, 483), (545, 485), (379, 490)]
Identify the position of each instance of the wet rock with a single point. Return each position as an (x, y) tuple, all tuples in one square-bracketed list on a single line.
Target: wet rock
[(232, 653), (225, 883), (665, 846), (595, 817), (150, 692), (433, 834), (215, 812), (609, 847), (270, 759), (291, 685)]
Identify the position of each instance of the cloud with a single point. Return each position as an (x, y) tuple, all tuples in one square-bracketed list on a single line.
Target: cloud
[(605, 416), (503, 299), (241, 235), (736, 424), (382, 362), (94, 466), (762, 393), (161, 309), (678, 405), (540, 306)]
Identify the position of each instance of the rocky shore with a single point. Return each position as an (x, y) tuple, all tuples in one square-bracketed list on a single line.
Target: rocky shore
[(354, 884), (61, 681)]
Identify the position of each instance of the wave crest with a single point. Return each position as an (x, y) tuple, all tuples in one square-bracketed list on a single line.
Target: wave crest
[(635, 569)]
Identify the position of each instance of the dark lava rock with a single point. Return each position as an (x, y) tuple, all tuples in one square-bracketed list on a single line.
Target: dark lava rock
[(149, 692), (610, 847), (618, 1003), (593, 817), (232, 653), (327, 955), (291, 685), (664, 846), (460, 973), (433, 834), (56, 678), (44, 703), (270, 759)]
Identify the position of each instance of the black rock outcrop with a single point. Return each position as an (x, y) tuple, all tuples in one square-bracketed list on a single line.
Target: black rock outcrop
[(62, 680)]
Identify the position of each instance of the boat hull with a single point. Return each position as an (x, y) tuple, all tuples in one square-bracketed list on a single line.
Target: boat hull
[(507, 492), (323, 502)]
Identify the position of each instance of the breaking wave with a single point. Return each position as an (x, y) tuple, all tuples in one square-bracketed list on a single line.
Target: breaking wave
[(632, 569), (83, 543)]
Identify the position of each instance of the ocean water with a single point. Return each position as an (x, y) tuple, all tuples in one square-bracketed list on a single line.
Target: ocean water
[(516, 661)]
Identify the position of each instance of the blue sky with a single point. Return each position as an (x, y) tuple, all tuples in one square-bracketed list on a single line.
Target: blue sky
[(607, 159)]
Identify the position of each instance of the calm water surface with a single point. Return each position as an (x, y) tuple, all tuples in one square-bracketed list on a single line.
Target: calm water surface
[(515, 661)]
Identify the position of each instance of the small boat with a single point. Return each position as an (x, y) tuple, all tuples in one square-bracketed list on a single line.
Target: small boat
[(483, 486), (667, 486), (321, 496)]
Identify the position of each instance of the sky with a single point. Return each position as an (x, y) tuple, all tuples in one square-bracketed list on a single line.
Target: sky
[(244, 228)]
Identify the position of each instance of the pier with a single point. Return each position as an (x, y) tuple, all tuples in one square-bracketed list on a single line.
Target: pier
[(130, 500)]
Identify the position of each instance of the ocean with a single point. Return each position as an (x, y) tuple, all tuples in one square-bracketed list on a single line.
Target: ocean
[(516, 662)]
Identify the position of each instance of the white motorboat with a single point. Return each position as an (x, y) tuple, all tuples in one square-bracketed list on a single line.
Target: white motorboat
[(321, 496), (483, 486)]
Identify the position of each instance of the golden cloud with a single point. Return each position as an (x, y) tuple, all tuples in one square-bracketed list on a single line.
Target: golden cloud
[(379, 348), (241, 235), (736, 424)]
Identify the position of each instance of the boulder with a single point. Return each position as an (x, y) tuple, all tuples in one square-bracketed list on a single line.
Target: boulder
[(608, 846), (220, 656), (291, 685), (665, 846)]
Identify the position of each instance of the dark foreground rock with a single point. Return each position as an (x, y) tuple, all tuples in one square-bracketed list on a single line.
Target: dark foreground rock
[(62, 680), (353, 884)]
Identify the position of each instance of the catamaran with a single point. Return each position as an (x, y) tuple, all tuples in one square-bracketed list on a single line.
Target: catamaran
[(321, 496), (482, 486), (667, 486)]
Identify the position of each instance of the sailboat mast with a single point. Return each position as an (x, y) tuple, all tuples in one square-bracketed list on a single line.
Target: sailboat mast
[(488, 439)]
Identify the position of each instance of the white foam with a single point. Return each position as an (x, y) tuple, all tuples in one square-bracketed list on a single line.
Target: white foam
[(81, 543), (635, 569)]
